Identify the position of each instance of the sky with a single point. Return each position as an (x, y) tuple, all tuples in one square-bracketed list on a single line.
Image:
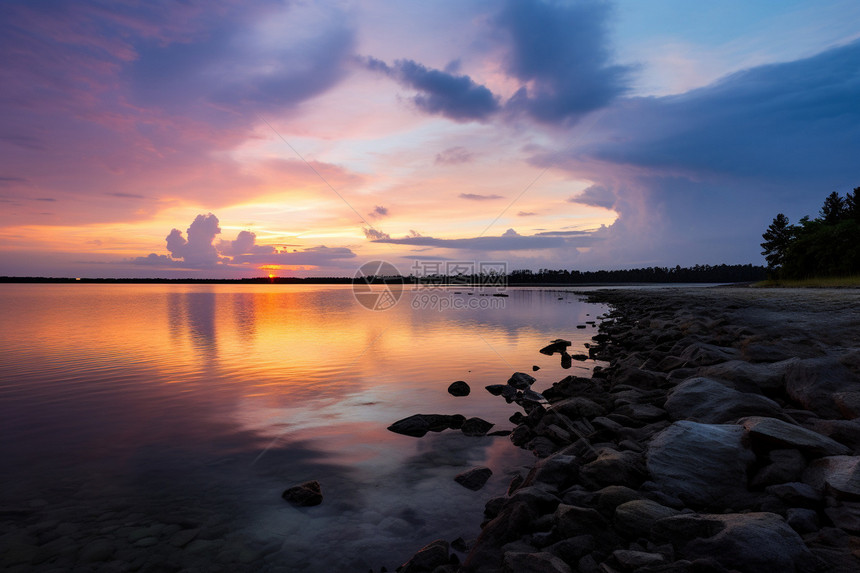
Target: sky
[(234, 139)]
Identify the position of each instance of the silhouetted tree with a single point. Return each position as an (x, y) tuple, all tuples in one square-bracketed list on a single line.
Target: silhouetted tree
[(777, 238), (852, 208), (833, 209)]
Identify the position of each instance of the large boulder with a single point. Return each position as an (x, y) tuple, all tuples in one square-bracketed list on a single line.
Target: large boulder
[(701, 465), (766, 377), (752, 542), (840, 475), (711, 402), (636, 518), (814, 382), (428, 558), (772, 433), (521, 380), (459, 388)]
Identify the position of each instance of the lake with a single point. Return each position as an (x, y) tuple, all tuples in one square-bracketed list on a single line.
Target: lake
[(156, 426)]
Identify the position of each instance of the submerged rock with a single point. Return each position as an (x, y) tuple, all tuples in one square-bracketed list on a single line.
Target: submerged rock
[(557, 345), (304, 495), (476, 427), (475, 478), (521, 380), (417, 425)]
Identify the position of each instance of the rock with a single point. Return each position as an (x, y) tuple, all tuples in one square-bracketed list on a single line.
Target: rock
[(571, 520), (814, 382), (614, 468), (535, 367), (419, 424), (475, 478), (532, 396), (642, 412), (558, 470), (702, 465), (304, 495), (711, 402), (512, 522), (496, 389), (838, 474), (610, 497), (797, 494), (845, 516), (184, 537), (574, 548), (428, 558), (636, 518), (765, 377), (784, 466), (848, 404), (557, 345), (770, 433), (542, 562), (802, 520), (843, 431), (578, 407), (753, 542), (521, 380), (459, 388), (96, 551), (537, 498), (476, 427), (631, 560)]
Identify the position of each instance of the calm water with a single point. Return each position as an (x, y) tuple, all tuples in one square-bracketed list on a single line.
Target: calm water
[(131, 412)]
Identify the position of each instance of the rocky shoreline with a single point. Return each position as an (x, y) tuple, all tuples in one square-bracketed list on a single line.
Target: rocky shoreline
[(723, 436)]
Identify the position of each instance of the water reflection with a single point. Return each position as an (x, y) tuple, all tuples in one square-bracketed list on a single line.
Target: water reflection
[(208, 401)]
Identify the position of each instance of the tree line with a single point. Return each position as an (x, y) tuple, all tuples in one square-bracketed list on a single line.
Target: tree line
[(677, 274), (826, 246)]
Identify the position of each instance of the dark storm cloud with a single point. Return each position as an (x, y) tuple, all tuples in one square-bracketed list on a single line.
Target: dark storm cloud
[(787, 120), (441, 93), (595, 196), (563, 51)]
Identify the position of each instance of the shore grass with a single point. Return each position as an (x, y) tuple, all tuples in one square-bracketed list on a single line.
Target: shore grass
[(852, 281)]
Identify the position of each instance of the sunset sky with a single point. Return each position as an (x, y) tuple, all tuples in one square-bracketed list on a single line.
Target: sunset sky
[(228, 139)]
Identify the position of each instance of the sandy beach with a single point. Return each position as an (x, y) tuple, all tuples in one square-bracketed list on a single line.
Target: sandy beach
[(724, 435)]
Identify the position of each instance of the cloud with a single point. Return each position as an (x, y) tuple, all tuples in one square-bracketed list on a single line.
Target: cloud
[(479, 197), (562, 52), (379, 211), (126, 195), (197, 250), (244, 244), (441, 93), (510, 240), (595, 196), (454, 156), (375, 235), (697, 177), (200, 251), (526, 214)]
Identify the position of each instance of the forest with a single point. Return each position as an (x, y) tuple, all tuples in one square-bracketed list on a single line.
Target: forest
[(826, 246)]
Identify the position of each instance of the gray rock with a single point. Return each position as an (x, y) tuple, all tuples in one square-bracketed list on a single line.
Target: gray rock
[(571, 520), (433, 555), (558, 470), (521, 380), (96, 551), (753, 542), (845, 516), (702, 465), (542, 562), (610, 497), (708, 401), (802, 520), (848, 404), (701, 354), (814, 382), (838, 474), (773, 433), (743, 374), (636, 518), (784, 466), (459, 388), (475, 478), (578, 407), (642, 412), (796, 494), (843, 431), (614, 468), (304, 495), (184, 537), (631, 560)]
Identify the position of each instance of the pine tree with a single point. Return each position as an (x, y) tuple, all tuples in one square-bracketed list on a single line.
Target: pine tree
[(833, 209), (776, 240)]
